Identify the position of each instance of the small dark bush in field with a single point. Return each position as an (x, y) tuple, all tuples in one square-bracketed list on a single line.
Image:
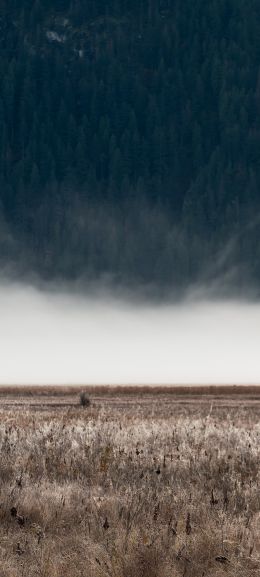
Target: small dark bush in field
[(84, 399)]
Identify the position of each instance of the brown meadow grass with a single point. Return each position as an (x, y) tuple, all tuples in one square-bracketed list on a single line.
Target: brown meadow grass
[(138, 489), (133, 390)]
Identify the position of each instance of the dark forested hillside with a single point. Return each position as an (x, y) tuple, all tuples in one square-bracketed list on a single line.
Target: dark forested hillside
[(130, 139)]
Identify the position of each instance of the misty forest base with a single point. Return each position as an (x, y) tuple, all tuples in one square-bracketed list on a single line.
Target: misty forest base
[(129, 140), (139, 486)]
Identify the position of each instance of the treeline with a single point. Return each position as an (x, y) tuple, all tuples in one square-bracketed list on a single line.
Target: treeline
[(130, 137)]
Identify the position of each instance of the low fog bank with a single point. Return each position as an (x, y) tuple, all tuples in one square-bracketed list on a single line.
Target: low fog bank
[(57, 338)]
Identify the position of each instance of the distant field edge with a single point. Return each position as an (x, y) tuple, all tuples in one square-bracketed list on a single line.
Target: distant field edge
[(96, 390)]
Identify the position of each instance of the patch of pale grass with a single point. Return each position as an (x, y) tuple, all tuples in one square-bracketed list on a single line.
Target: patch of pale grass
[(128, 493)]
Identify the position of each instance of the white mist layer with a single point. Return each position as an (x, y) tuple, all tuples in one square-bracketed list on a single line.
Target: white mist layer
[(56, 339)]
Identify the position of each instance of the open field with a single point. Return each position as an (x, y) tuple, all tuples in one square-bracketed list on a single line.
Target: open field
[(142, 483)]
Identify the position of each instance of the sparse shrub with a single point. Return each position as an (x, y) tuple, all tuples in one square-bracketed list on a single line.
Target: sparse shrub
[(84, 399)]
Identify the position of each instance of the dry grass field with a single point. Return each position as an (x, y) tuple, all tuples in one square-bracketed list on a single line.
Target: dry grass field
[(138, 484)]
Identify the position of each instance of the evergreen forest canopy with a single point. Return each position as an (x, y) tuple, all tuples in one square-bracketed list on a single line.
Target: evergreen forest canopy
[(130, 140)]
